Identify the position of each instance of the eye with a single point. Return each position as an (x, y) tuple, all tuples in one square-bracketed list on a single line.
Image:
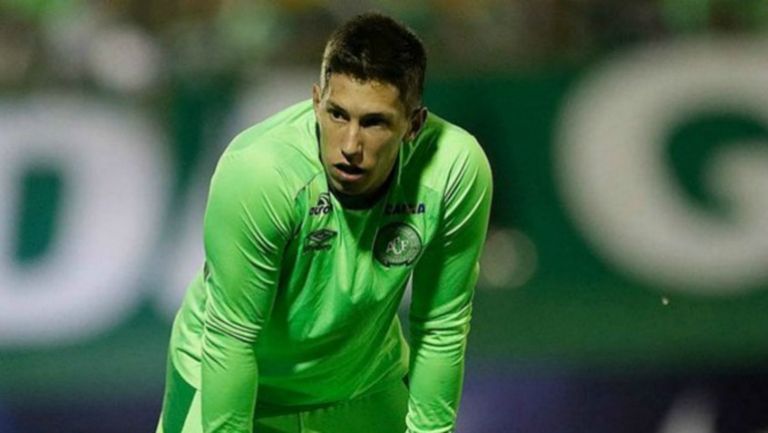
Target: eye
[(373, 121), (336, 114)]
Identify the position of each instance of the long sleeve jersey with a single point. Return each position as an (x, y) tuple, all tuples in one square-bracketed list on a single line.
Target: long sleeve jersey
[(296, 304)]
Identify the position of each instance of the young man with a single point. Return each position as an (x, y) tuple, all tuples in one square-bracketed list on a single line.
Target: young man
[(316, 220)]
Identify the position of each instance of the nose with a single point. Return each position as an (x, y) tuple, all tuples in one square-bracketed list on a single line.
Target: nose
[(351, 147)]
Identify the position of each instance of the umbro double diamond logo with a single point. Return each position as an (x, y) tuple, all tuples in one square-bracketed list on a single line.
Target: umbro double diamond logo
[(319, 240)]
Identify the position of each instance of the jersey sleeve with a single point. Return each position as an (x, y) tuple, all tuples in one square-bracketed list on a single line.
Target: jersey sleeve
[(443, 287), (248, 222)]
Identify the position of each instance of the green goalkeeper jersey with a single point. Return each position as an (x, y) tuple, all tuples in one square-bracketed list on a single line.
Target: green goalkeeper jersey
[(296, 304)]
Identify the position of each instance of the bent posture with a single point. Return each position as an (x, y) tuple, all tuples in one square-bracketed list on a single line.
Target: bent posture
[(317, 219)]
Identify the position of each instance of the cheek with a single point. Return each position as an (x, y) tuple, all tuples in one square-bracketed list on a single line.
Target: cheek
[(327, 139), (386, 151)]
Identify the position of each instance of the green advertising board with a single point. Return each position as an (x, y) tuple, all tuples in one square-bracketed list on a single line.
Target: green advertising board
[(630, 219)]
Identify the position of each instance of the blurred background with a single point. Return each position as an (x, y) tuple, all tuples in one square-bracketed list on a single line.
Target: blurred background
[(623, 285)]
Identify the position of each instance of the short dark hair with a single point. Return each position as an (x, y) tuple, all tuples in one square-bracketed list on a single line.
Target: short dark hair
[(373, 46)]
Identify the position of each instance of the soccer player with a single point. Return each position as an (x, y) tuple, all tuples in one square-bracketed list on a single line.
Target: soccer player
[(317, 218)]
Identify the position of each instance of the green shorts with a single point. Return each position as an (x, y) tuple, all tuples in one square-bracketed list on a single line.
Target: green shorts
[(380, 412)]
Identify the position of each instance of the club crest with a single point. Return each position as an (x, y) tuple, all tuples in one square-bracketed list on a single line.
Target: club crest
[(397, 244)]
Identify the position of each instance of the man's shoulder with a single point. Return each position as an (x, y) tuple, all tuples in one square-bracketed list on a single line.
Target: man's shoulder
[(442, 150), (448, 134), (292, 127), (283, 144)]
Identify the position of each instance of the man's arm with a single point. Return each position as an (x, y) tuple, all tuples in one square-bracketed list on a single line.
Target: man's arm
[(441, 305), (247, 225)]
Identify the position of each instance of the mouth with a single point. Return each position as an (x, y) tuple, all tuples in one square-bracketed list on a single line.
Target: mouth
[(349, 173)]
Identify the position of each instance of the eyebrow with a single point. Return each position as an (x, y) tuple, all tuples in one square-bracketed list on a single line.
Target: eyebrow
[(375, 115), (335, 106)]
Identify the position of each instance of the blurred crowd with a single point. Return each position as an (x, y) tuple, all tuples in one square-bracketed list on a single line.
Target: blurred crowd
[(131, 46)]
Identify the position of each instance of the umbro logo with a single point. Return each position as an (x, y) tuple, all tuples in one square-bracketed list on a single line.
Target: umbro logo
[(319, 240), (323, 206)]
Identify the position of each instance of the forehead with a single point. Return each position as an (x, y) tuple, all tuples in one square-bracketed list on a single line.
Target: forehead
[(362, 97)]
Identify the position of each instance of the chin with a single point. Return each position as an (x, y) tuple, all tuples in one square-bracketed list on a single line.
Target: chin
[(349, 189)]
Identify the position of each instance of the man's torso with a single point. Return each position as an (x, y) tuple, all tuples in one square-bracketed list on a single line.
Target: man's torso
[(333, 333)]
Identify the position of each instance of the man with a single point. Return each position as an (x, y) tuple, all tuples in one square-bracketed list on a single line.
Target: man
[(316, 219)]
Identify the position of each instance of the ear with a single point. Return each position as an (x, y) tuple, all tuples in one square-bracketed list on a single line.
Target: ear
[(418, 119), (316, 95)]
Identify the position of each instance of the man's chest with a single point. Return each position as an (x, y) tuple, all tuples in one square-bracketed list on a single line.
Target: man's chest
[(357, 257)]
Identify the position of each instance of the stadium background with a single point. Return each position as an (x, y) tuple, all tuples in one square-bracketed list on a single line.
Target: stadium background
[(624, 279)]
